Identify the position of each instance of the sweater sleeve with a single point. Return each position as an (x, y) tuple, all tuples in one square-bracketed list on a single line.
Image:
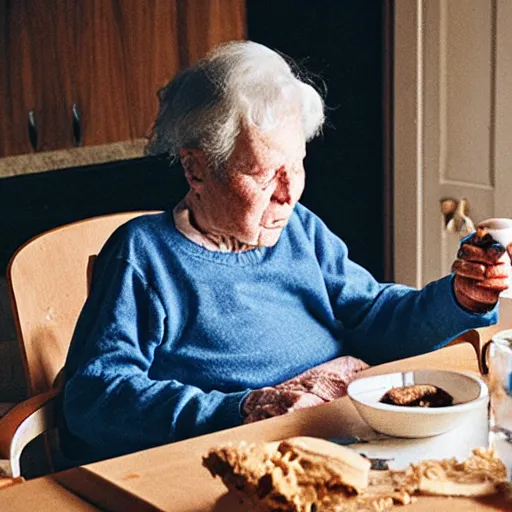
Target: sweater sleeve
[(111, 402), (384, 322)]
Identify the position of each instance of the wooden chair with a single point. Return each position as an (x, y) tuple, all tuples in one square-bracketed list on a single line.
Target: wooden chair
[(48, 280)]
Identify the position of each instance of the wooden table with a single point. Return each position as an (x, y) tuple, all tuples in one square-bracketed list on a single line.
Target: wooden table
[(42, 495), (171, 478)]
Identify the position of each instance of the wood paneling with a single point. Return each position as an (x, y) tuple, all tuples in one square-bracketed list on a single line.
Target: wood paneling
[(35, 53), (126, 51), (107, 57), (206, 23), (16, 87)]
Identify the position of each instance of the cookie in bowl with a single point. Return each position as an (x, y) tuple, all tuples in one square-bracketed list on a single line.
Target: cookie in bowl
[(406, 417)]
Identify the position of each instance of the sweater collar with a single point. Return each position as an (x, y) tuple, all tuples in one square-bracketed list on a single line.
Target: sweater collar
[(181, 215)]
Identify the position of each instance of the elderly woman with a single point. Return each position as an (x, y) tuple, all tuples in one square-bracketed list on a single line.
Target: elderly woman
[(240, 304)]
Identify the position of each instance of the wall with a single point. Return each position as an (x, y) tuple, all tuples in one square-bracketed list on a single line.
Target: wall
[(341, 43), (453, 86)]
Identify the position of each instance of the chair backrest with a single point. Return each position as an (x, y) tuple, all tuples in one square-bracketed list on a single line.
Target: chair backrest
[(48, 280)]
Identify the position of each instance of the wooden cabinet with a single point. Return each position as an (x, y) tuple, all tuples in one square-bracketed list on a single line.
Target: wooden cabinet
[(87, 71), (17, 94), (205, 23), (125, 50)]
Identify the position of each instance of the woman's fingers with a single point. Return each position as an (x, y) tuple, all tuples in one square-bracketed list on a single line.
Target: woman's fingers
[(498, 271), (469, 269), (472, 297), (480, 272), (478, 283), (328, 380), (497, 285), (258, 397), (327, 385), (475, 291), (280, 403), (477, 254), (306, 400), (480, 276)]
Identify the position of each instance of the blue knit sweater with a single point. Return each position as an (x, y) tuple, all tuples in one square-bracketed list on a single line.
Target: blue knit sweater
[(173, 336)]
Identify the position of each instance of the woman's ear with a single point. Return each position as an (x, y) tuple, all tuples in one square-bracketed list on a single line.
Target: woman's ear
[(195, 165)]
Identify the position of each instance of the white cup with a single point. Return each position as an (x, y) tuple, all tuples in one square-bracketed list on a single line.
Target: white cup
[(499, 228)]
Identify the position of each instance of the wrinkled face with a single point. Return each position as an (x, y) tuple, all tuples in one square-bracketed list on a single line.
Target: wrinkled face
[(263, 181)]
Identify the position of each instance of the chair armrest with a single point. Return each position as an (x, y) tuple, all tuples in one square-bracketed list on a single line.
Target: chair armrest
[(24, 422), (473, 338)]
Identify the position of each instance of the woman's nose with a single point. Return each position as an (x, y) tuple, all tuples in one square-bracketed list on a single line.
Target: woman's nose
[(282, 192)]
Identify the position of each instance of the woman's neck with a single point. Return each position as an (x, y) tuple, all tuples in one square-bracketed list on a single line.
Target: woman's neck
[(220, 241)]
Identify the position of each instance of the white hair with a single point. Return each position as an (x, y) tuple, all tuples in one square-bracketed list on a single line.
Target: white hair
[(240, 82)]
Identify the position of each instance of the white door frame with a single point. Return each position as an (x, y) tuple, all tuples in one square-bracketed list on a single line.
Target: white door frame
[(412, 162), (408, 142)]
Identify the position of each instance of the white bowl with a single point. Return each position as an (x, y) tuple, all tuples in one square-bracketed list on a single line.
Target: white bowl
[(468, 392)]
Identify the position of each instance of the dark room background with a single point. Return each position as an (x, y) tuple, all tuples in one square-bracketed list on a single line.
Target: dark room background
[(342, 43)]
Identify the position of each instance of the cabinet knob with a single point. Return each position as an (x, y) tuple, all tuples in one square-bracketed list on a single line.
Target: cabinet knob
[(32, 129), (77, 125)]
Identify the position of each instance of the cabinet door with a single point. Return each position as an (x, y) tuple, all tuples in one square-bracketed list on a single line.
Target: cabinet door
[(87, 71), (102, 60), (15, 102), (206, 23), (33, 50), (125, 52)]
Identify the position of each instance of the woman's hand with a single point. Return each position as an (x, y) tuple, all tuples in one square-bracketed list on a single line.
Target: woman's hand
[(270, 401), (315, 386), (480, 276)]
